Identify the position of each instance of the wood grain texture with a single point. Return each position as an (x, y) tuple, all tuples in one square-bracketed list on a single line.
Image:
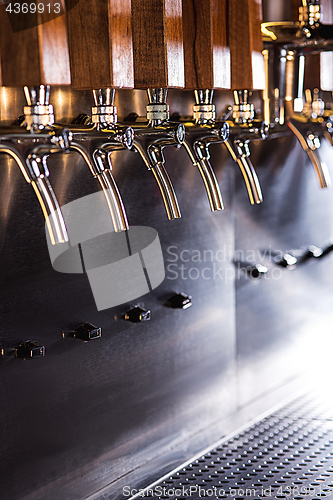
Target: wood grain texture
[(53, 48), (35, 55), (247, 64), (206, 51), (100, 44), (158, 43)]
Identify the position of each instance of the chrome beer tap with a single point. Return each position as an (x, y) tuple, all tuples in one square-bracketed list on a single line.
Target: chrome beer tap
[(199, 134), (319, 113), (243, 129), (95, 138), (30, 145), (150, 139), (286, 45)]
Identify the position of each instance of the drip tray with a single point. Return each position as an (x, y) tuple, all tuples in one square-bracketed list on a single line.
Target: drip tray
[(287, 455)]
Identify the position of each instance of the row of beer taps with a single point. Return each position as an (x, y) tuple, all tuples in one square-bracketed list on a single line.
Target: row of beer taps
[(95, 137)]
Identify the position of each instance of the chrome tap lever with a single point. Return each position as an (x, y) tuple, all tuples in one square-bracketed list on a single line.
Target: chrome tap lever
[(310, 142)]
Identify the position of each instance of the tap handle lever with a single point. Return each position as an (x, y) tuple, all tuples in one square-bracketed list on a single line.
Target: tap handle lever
[(311, 143)]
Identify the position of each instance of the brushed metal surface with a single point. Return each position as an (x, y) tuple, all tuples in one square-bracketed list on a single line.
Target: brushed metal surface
[(283, 320), (88, 413), (94, 410)]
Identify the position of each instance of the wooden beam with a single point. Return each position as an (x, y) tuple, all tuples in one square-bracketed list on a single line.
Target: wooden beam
[(34, 49), (206, 50), (100, 43), (245, 40), (158, 43)]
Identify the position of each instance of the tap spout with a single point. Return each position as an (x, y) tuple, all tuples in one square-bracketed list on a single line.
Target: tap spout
[(149, 143), (211, 184), (167, 191), (310, 142), (35, 171), (115, 203), (238, 147), (197, 141), (96, 148)]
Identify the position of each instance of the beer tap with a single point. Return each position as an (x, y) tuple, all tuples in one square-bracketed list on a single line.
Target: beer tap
[(319, 113), (149, 141), (30, 146), (200, 133), (106, 62), (243, 129), (95, 138), (286, 46)]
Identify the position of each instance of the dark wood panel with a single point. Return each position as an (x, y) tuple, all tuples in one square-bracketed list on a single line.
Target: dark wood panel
[(247, 65), (121, 46), (206, 51), (36, 51), (158, 43), (100, 44)]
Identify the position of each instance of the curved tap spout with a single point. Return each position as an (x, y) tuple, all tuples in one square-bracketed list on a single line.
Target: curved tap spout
[(35, 171), (197, 141), (238, 147), (117, 210), (310, 142), (95, 146), (149, 143), (151, 138)]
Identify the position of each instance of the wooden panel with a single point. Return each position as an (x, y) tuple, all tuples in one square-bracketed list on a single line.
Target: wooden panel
[(53, 48), (247, 64), (37, 54), (158, 43), (100, 43), (295, 4), (206, 51)]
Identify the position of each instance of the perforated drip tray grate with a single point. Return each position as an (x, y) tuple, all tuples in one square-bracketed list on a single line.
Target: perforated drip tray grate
[(287, 455)]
